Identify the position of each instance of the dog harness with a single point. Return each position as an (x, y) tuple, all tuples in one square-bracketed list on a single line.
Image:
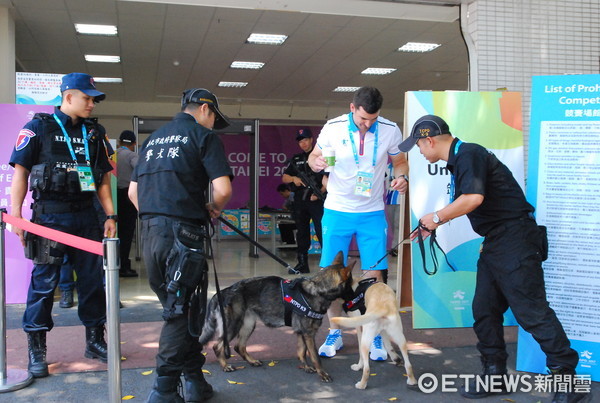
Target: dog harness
[(294, 301), (358, 299)]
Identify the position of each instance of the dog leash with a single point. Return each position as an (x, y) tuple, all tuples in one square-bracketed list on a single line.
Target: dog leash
[(432, 244), (226, 348)]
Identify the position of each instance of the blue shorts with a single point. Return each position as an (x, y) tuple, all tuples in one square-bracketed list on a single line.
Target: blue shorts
[(371, 236)]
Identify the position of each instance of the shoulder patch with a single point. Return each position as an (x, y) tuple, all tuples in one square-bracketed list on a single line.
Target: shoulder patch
[(23, 139)]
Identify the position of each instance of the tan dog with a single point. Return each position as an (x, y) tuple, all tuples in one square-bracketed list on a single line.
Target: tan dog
[(381, 317)]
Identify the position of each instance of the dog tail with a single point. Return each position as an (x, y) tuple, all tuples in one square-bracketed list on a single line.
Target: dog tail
[(355, 321), (213, 317)]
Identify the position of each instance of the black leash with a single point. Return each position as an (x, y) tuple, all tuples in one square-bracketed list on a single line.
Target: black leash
[(432, 243), (219, 298), (246, 237)]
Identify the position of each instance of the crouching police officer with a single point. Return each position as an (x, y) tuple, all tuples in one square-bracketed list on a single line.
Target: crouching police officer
[(64, 159), (177, 163)]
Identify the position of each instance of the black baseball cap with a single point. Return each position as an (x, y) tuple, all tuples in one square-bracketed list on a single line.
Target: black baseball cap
[(82, 82), (204, 96), (127, 136), (426, 126), (304, 133)]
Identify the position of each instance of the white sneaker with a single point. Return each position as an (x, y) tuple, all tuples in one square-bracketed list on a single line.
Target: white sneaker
[(377, 351), (332, 344)]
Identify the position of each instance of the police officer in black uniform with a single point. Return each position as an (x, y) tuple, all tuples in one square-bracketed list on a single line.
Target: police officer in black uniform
[(509, 269), (308, 198), (64, 159), (177, 164)]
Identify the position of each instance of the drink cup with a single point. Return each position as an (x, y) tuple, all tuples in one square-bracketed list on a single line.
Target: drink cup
[(329, 155)]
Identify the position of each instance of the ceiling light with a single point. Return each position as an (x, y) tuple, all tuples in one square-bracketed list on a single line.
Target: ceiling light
[(247, 65), (232, 84), (108, 79), (346, 89), (266, 39), (91, 29), (377, 71), (102, 58), (418, 47)]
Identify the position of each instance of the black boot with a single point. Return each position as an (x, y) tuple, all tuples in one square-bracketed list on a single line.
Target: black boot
[(570, 396), (95, 346), (38, 367), (493, 369), (302, 266), (165, 390), (66, 299), (196, 388)]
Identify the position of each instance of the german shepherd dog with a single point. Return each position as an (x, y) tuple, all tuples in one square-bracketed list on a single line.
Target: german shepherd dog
[(261, 298), (381, 317)]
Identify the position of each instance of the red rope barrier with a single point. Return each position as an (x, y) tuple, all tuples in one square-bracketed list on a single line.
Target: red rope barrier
[(58, 236)]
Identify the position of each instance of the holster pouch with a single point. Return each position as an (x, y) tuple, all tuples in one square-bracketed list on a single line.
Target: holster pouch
[(39, 178), (544, 241), (186, 267), (42, 250)]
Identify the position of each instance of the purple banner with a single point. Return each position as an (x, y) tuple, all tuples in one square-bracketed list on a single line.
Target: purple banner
[(276, 146), (18, 269)]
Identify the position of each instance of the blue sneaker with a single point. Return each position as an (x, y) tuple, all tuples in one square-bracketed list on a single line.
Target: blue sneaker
[(332, 344), (377, 351)]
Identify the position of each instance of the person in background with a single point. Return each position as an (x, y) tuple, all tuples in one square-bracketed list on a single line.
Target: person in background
[(63, 158), (308, 205), (363, 141), (127, 159), (168, 188), (509, 269), (286, 228)]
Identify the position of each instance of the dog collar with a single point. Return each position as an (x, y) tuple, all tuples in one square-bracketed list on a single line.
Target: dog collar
[(294, 301)]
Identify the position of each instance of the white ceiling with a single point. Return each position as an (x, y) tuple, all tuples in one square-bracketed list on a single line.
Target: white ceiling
[(323, 50)]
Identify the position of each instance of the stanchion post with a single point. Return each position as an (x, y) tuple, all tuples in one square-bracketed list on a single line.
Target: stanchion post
[(111, 268), (12, 379)]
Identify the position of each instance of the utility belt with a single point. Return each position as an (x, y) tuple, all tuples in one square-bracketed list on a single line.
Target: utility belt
[(59, 207), (186, 275), (59, 179), (43, 250)]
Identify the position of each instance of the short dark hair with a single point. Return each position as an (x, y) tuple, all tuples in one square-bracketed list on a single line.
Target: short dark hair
[(369, 98), (282, 187)]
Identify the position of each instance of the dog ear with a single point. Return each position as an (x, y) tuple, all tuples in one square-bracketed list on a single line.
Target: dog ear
[(347, 271), (339, 259)]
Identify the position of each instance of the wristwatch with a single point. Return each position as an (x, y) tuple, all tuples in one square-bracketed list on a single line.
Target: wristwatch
[(112, 217), (436, 218)]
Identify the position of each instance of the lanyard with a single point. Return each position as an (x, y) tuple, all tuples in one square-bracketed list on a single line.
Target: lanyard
[(452, 185), (68, 141), (351, 127)]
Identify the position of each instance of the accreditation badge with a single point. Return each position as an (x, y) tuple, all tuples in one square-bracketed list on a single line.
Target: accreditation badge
[(364, 183), (86, 178)]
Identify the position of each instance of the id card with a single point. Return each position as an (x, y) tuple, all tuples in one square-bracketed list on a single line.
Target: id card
[(364, 183), (86, 178)]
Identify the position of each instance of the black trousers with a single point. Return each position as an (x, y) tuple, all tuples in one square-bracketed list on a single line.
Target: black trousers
[(303, 212), (510, 274), (178, 351), (127, 218)]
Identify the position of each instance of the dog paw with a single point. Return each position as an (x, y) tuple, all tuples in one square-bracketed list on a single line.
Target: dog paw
[(256, 363), (308, 369), (356, 367), (326, 378), (360, 385), (228, 368)]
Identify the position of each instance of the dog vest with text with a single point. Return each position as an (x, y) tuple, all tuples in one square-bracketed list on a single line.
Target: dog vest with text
[(294, 301), (358, 299)]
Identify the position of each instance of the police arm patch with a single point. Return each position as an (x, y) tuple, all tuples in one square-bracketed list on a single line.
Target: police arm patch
[(23, 139)]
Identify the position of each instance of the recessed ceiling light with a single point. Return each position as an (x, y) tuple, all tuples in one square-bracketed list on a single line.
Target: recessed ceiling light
[(266, 39), (418, 47), (345, 89), (247, 65), (232, 84), (102, 58), (92, 29), (108, 79), (377, 71)]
